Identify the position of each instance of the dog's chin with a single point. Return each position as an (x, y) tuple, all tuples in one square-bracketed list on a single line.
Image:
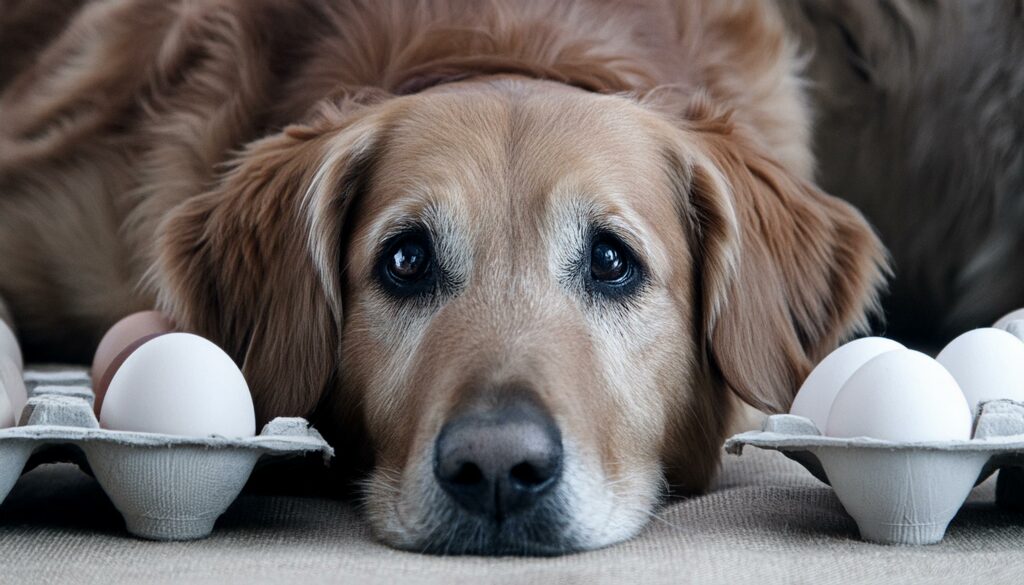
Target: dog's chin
[(581, 514), (543, 531)]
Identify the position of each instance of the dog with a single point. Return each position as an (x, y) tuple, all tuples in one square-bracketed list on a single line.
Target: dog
[(522, 261)]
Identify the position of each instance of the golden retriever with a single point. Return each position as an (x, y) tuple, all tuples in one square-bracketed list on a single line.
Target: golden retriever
[(518, 258)]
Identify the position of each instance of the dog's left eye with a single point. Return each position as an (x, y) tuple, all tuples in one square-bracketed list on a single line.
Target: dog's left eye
[(614, 270), (608, 263), (406, 265)]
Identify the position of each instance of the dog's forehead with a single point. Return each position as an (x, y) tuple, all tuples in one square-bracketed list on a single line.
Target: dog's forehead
[(524, 139), (508, 158)]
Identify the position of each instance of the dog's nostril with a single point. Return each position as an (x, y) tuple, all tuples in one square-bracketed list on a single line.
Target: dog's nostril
[(529, 475), (468, 474)]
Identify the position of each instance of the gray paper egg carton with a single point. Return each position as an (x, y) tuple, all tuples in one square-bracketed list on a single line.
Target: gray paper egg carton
[(166, 487), (904, 493)]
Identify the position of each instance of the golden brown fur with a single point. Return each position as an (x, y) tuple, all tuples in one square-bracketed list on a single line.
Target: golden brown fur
[(238, 164)]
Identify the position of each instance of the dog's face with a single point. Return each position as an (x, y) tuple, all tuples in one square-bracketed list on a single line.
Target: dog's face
[(534, 300), (518, 321)]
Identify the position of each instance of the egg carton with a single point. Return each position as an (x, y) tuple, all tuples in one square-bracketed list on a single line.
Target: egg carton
[(904, 493), (166, 487)]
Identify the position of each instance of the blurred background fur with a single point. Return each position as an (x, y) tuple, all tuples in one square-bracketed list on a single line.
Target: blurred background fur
[(919, 108)]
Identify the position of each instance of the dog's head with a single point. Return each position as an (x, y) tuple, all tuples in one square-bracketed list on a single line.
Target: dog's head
[(534, 303)]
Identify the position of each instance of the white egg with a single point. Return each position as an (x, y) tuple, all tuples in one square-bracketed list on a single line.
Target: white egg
[(814, 400), (14, 384), (1017, 315), (988, 364), (179, 384), (9, 345), (6, 409), (901, 396), (1013, 323)]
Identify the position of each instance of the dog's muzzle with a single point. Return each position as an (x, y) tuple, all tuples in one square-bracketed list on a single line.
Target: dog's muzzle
[(500, 468)]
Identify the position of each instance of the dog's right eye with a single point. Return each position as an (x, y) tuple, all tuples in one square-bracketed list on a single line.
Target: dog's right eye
[(406, 266)]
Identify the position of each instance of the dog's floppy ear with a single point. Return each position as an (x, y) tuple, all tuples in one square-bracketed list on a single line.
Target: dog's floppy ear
[(253, 264), (785, 271)]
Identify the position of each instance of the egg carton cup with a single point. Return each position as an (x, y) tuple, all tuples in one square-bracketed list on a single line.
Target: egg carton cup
[(904, 493), (166, 487)]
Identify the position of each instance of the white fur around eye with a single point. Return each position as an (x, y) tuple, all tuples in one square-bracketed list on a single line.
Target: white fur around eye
[(566, 229)]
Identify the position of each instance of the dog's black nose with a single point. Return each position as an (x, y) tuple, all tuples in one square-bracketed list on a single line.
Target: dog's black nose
[(501, 461)]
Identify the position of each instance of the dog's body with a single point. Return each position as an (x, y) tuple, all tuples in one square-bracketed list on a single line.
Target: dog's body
[(561, 233), (919, 122)]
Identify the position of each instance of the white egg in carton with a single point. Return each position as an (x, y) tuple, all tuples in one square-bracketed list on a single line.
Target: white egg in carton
[(167, 487), (881, 425)]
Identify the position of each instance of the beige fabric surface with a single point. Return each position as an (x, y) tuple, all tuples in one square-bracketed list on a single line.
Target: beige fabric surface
[(768, 521)]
